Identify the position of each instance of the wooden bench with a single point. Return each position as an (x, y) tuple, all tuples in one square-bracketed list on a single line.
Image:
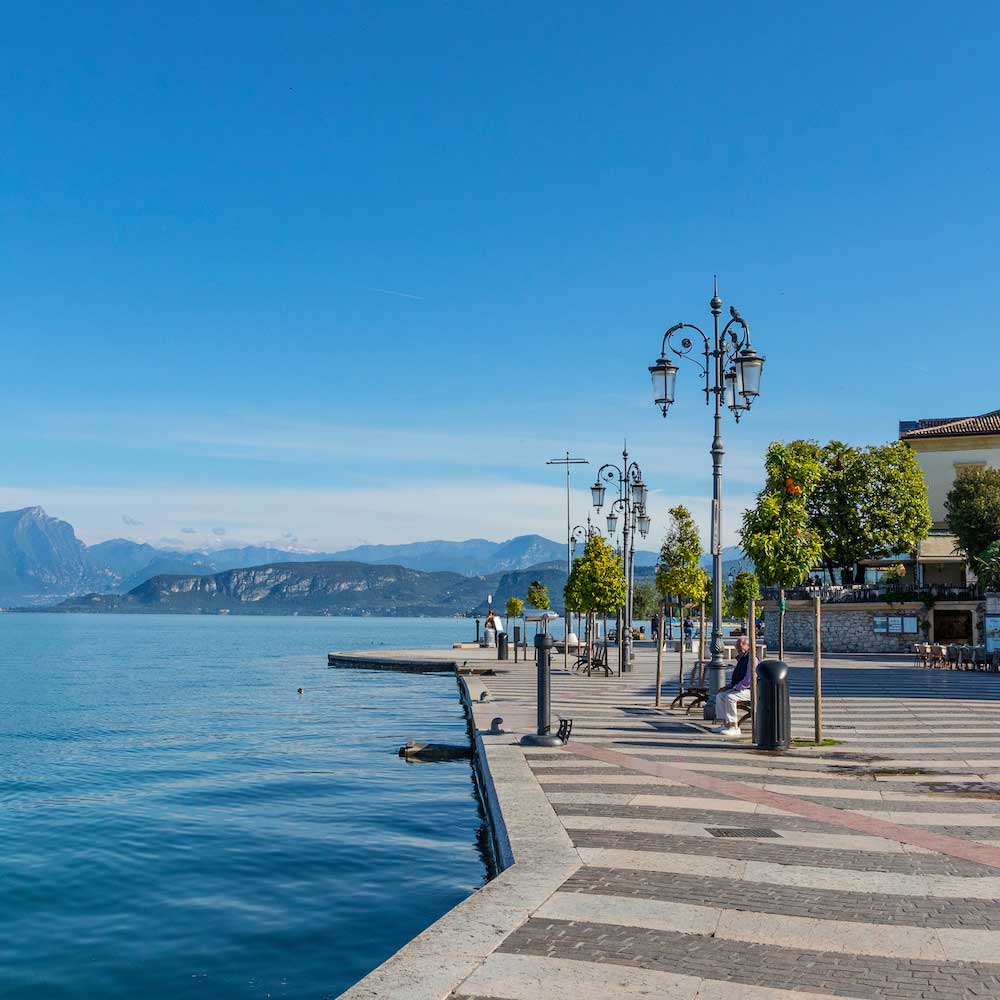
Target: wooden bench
[(599, 661), (697, 691)]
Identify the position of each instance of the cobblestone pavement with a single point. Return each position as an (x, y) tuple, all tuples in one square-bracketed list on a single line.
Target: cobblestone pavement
[(707, 870)]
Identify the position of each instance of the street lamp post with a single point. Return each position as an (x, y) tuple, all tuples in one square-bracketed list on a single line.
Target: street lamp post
[(731, 369), (567, 461), (631, 502)]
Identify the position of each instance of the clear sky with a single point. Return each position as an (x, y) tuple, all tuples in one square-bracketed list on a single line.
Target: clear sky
[(324, 273)]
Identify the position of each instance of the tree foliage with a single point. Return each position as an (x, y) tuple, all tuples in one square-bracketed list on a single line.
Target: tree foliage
[(868, 503), (538, 595), (834, 504), (514, 607), (677, 572), (643, 600), (745, 589), (596, 581), (777, 534), (973, 506), (987, 566)]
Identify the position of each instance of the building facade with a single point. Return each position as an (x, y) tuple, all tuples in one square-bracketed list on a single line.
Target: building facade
[(931, 593), (945, 447)]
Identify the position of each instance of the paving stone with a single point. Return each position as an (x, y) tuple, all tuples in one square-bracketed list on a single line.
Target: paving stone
[(760, 965), (763, 897), (746, 850)]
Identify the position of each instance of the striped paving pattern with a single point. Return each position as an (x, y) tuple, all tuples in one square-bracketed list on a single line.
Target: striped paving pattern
[(841, 900)]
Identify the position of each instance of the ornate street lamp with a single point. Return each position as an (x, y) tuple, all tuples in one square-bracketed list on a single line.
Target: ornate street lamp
[(731, 369), (631, 506)]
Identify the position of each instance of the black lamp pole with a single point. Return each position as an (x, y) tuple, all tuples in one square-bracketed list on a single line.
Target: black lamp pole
[(731, 369)]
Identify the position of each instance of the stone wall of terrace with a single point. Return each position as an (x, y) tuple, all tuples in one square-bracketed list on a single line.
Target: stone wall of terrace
[(846, 628)]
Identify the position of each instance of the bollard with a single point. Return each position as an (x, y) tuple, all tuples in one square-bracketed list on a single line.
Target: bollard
[(544, 737), (502, 653), (517, 640), (773, 722), (477, 630)]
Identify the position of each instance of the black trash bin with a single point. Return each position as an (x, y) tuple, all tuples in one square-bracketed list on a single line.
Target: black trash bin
[(502, 653), (772, 724)]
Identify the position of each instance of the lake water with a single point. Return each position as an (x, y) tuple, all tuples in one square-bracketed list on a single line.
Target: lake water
[(177, 821)]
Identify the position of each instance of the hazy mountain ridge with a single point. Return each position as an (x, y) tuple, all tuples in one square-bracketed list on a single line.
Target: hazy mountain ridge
[(335, 588), (42, 560)]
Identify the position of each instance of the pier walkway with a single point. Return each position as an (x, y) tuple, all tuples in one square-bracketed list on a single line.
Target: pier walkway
[(651, 858)]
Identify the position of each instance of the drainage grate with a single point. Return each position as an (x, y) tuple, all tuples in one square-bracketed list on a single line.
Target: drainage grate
[(741, 831)]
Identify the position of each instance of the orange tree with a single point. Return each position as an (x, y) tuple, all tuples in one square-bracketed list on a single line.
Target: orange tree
[(777, 533)]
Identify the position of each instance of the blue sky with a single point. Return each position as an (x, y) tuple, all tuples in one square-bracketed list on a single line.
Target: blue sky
[(330, 273)]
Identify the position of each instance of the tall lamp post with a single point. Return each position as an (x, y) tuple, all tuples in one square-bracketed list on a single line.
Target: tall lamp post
[(631, 503), (567, 461), (731, 369)]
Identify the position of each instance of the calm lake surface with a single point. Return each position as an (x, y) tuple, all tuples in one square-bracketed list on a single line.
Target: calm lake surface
[(176, 821)]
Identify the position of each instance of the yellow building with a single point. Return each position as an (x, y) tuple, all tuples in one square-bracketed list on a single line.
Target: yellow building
[(944, 447)]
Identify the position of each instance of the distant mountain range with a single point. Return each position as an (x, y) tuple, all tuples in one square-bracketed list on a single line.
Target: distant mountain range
[(42, 561)]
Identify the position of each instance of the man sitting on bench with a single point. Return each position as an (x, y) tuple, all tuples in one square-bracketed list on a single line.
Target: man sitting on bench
[(728, 699)]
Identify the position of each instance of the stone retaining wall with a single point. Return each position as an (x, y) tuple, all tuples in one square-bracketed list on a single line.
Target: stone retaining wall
[(846, 628)]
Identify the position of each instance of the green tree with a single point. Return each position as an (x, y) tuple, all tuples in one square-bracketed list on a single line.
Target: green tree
[(677, 571), (868, 503), (987, 567), (643, 600), (513, 608), (538, 595), (777, 533), (973, 507), (745, 589), (596, 583)]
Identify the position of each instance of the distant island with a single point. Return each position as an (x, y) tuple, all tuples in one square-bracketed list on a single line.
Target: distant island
[(321, 588)]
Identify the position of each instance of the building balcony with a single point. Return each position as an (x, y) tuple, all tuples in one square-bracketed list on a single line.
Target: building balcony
[(880, 593)]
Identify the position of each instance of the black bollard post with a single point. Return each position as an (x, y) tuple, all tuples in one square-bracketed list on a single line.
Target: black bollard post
[(477, 630), (544, 737)]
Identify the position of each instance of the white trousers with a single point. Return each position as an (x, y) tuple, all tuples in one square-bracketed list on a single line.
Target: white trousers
[(727, 705)]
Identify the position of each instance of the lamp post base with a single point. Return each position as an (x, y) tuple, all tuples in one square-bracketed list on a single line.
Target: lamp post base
[(716, 681), (541, 740)]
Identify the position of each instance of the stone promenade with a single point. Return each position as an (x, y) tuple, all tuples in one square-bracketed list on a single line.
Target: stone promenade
[(652, 858)]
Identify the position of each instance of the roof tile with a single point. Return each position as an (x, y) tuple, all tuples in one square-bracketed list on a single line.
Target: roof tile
[(986, 423)]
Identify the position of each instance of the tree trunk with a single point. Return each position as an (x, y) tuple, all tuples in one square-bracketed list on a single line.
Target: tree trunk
[(781, 622), (701, 636), (659, 663), (680, 645)]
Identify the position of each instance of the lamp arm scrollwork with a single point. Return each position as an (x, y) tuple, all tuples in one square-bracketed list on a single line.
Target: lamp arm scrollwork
[(610, 472), (684, 347), (729, 342)]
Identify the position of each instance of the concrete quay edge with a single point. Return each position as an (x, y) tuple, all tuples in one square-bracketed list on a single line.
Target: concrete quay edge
[(533, 851)]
